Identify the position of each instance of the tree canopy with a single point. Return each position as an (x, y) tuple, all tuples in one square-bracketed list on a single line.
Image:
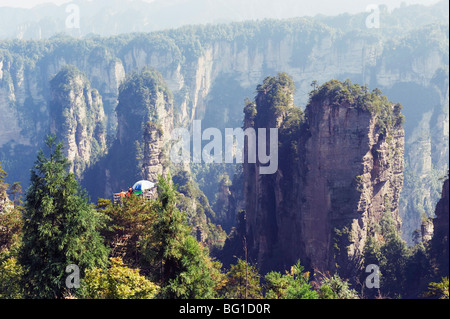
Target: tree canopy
[(60, 226)]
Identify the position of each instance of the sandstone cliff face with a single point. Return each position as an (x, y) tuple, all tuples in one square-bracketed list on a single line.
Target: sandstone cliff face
[(271, 201), (148, 119), (144, 124), (344, 173), (354, 174), (106, 66), (426, 157), (5, 203), (194, 63), (78, 118), (154, 142)]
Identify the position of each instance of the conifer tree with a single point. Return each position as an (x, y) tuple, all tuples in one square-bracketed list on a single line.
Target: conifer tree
[(185, 268), (243, 282), (293, 285), (60, 227)]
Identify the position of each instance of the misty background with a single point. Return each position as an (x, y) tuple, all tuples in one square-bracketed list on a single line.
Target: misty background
[(40, 19)]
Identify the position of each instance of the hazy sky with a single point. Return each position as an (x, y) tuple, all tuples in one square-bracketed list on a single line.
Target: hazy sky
[(32, 3), (319, 6)]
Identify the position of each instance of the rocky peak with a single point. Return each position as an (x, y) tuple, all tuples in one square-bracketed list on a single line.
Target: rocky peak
[(145, 117), (354, 159), (78, 118), (144, 123), (340, 169)]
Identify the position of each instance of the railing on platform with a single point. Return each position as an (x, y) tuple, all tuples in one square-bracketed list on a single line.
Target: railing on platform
[(146, 195)]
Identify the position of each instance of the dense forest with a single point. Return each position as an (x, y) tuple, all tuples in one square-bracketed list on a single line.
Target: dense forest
[(145, 249)]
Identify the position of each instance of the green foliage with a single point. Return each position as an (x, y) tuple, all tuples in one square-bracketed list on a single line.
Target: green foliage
[(404, 270), (372, 252), (336, 288), (385, 248), (11, 224), (250, 112), (293, 285), (186, 270), (195, 274), (290, 130), (274, 107), (138, 94), (418, 269), (10, 240), (199, 212), (3, 175), (10, 215), (402, 51), (341, 240), (60, 226), (11, 273), (337, 93), (274, 98), (126, 226), (394, 259), (243, 282), (15, 191), (62, 82), (438, 289), (117, 282), (3, 186)]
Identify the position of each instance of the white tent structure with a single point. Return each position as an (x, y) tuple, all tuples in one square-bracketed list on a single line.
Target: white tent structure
[(142, 186)]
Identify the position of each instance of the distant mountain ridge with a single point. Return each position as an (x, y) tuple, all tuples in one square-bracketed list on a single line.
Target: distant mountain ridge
[(82, 18)]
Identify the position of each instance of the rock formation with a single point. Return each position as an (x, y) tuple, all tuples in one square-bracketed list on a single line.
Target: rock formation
[(340, 169), (77, 117), (210, 70), (144, 123)]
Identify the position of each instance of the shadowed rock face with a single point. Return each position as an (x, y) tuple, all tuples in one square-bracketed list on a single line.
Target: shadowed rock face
[(153, 152), (145, 121), (440, 246), (354, 174), (318, 207)]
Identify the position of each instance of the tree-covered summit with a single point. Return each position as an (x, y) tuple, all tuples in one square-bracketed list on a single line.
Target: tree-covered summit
[(338, 93)]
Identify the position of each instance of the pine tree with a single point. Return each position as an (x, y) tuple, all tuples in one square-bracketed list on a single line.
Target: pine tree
[(127, 225), (185, 268), (60, 226), (293, 285), (243, 282), (14, 191)]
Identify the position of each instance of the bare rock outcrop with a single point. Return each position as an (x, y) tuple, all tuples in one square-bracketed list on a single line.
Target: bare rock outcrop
[(78, 118)]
